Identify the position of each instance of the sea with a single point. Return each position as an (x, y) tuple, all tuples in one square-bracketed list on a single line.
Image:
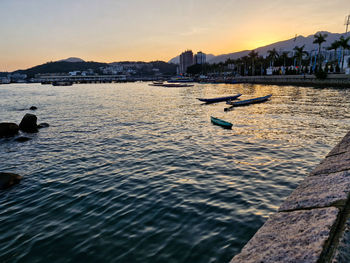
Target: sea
[(129, 172)]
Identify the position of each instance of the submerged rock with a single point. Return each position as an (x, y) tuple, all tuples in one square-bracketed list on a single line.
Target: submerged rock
[(33, 108), (8, 129), (9, 179), (22, 139), (43, 125), (28, 123)]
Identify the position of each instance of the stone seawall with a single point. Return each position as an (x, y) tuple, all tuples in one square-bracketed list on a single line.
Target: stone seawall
[(333, 80), (313, 223)]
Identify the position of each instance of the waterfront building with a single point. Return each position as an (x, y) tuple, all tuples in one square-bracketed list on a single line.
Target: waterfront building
[(200, 58), (186, 60)]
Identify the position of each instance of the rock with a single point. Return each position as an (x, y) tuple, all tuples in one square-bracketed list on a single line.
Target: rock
[(28, 123), (8, 129), (43, 125), (33, 108), (9, 179), (22, 139)]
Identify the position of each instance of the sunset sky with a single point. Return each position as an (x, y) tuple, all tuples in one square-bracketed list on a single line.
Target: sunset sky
[(36, 31)]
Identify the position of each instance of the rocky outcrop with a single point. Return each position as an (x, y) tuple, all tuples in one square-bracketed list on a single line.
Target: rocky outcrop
[(33, 108), (43, 125), (28, 123), (22, 139), (9, 179), (8, 129)]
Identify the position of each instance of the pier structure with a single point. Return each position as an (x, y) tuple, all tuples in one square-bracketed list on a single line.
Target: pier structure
[(313, 223), (49, 79), (332, 80)]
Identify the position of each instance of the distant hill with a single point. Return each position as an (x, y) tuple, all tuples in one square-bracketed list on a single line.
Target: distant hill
[(3, 74), (286, 45), (176, 60), (61, 67), (71, 59)]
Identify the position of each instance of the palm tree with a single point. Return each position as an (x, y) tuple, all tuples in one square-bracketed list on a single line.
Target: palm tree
[(253, 55), (319, 38), (245, 61), (284, 56), (299, 53), (334, 46), (343, 43), (272, 55)]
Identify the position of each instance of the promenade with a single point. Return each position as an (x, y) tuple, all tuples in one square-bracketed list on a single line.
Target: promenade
[(332, 80)]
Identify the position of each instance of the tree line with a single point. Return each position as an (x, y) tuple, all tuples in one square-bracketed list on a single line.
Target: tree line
[(299, 61)]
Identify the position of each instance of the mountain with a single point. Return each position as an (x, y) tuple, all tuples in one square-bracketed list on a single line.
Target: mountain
[(176, 60), (286, 45), (71, 59), (61, 67)]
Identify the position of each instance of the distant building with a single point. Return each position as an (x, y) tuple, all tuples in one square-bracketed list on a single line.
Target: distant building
[(200, 58), (186, 60)]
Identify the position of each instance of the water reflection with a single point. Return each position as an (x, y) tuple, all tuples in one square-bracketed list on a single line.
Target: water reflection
[(129, 172)]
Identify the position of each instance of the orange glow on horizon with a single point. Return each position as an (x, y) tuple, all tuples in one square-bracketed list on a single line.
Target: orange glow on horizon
[(109, 31)]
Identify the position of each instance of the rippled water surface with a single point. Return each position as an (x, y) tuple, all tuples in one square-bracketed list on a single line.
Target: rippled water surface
[(134, 173)]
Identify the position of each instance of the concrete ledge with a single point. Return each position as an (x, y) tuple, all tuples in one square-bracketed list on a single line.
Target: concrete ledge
[(297, 236), (312, 221), (319, 191), (333, 164)]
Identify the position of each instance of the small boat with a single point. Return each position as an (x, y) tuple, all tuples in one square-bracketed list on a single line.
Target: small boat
[(157, 83), (62, 83), (176, 85), (246, 102), (213, 100), (180, 79), (220, 122)]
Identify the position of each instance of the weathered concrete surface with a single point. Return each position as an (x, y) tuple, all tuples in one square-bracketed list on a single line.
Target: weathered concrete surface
[(297, 236), (342, 147), (343, 253), (333, 164), (319, 191)]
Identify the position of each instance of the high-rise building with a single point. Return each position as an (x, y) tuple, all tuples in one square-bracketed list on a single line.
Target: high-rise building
[(200, 58), (186, 60)]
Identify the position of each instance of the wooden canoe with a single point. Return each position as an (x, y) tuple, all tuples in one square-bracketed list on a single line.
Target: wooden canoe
[(220, 122), (246, 102), (219, 99)]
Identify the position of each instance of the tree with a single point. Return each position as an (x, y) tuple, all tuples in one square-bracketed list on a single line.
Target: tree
[(272, 55), (253, 55), (245, 61), (284, 56), (319, 38), (343, 43), (334, 46), (299, 53)]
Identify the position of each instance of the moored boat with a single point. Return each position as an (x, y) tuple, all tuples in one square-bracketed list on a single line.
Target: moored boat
[(213, 100), (220, 122), (176, 85), (246, 102), (62, 83), (180, 79)]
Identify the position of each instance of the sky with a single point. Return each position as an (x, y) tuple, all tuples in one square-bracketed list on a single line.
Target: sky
[(33, 32)]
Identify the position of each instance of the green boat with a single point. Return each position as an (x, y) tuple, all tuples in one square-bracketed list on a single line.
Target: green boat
[(221, 123)]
